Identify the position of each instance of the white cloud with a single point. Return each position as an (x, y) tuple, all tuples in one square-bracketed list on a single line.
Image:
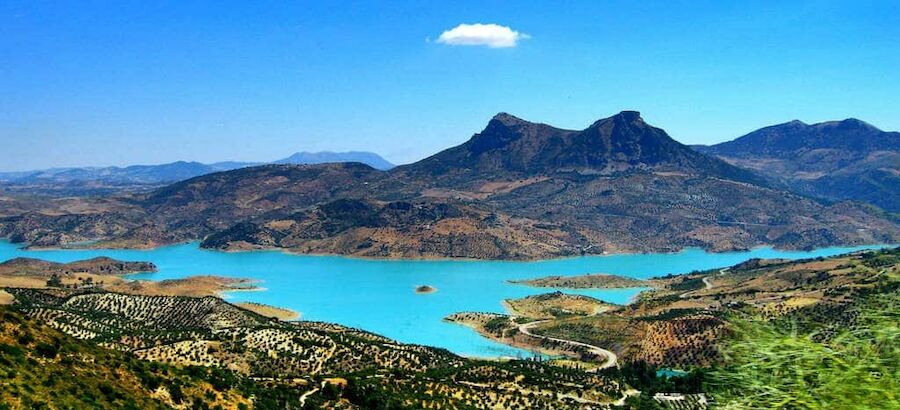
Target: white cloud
[(491, 35)]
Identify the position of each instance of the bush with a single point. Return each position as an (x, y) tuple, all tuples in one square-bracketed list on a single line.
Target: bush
[(777, 367), (47, 350)]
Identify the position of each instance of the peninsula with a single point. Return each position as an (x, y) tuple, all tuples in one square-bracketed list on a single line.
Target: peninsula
[(593, 281)]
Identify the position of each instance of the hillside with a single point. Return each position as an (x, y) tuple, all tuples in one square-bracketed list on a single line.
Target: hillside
[(517, 190), (95, 266), (45, 368), (836, 160), (88, 181), (686, 320), (267, 363)]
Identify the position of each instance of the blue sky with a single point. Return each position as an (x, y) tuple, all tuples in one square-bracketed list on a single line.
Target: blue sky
[(113, 83)]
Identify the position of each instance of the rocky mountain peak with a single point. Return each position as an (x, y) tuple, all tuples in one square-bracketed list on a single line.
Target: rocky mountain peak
[(849, 125), (508, 119), (620, 143), (628, 116)]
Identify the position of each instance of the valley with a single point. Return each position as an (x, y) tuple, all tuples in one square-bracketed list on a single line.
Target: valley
[(430, 205), (303, 286), (379, 295), (202, 349)]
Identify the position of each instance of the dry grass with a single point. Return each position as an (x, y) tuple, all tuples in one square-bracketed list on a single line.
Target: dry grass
[(6, 298), (502, 187), (553, 305), (196, 286), (40, 281), (270, 311), (280, 224)]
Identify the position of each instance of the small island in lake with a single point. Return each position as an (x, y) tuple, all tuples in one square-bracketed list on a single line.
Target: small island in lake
[(423, 289)]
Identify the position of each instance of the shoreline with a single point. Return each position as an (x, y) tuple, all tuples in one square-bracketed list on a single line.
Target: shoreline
[(288, 251), (275, 312), (512, 342), (224, 291)]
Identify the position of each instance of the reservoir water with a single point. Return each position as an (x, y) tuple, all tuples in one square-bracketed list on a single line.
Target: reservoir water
[(379, 295)]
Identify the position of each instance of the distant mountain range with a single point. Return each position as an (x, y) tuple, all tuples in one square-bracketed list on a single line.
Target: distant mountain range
[(516, 190), (369, 158), (835, 160), (96, 178)]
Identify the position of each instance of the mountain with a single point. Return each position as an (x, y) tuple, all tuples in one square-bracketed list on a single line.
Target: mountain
[(230, 165), (90, 181), (784, 140), (516, 190), (610, 146), (99, 181), (835, 160), (136, 174), (369, 158)]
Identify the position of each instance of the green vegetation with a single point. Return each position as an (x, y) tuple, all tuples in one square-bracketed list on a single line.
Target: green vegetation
[(819, 333), (497, 325), (43, 368), (670, 314), (775, 367), (204, 352)]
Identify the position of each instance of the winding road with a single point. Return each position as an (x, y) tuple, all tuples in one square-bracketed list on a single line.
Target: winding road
[(707, 285), (611, 358)]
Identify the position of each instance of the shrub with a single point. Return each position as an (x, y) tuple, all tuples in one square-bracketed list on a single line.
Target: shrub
[(774, 366), (47, 350)]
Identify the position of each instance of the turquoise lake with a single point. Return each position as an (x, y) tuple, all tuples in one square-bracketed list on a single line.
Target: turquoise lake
[(379, 296)]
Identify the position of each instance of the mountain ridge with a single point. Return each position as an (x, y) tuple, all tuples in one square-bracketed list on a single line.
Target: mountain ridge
[(622, 142), (515, 190), (136, 178), (788, 137), (834, 160)]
